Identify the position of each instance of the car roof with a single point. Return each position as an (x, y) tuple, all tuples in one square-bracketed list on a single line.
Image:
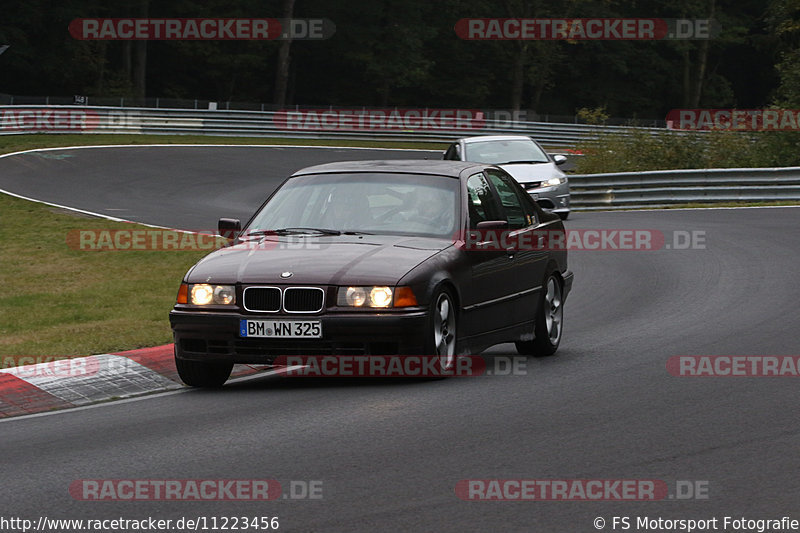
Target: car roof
[(398, 166), (482, 138)]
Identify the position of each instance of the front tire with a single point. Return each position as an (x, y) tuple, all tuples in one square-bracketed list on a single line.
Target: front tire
[(203, 374), (442, 331), (549, 320)]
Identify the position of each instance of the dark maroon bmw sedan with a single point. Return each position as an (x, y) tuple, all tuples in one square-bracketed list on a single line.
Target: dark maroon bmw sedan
[(433, 258)]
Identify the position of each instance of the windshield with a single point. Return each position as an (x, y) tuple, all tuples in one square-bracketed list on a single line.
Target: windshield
[(500, 152), (373, 203)]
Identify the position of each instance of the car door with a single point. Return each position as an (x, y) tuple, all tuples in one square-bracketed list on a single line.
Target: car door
[(491, 285), (525, 251)]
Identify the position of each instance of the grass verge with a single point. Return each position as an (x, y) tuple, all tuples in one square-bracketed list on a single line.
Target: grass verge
[(60, 301), (17, 143), (635, 150)]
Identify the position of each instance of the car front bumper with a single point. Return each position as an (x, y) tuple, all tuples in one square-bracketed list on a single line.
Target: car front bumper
[(214, 336), (556, 199)]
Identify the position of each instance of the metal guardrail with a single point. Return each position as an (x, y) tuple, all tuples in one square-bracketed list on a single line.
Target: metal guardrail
[(591, 191), (199, 104), (663, 188), (90, 119)]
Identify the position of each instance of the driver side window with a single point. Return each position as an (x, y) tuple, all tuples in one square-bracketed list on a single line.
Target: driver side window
[(481, 202), (510, 199)]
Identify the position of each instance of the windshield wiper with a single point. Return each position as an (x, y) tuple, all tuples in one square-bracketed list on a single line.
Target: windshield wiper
[(520, 162), (294, 231)]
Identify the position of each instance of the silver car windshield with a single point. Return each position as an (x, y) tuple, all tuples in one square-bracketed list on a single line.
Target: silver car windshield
[(372, 203), (501, 152)]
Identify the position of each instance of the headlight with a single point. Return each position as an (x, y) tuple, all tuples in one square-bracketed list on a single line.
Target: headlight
[(364, 296), (224, 294), (205, 294), (552, 182), (380, 297), (355, 296)]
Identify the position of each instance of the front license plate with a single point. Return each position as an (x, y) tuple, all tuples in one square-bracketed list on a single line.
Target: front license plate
[(281, 329)]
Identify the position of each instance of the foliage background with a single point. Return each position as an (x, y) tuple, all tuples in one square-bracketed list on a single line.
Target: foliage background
[(406, 53)]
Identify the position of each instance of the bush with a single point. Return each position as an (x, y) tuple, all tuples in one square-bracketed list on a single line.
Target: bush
[(636, 150)]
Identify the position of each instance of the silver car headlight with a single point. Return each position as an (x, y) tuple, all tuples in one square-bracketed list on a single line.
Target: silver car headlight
[(553, 182)]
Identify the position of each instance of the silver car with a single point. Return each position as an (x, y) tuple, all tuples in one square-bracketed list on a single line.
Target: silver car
[(525, 160)]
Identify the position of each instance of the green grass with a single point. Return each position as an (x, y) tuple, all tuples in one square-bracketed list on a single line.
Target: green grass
[(16, 143), (58, 300)]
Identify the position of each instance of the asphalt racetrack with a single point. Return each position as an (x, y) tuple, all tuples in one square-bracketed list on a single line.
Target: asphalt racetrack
[(389, 453)]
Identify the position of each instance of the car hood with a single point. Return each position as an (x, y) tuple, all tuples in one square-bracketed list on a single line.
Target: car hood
[(326, 260), (526, 172)]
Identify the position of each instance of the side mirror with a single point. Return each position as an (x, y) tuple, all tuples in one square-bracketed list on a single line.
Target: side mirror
[(486, 233), (229, 228), (559, 159), (492, 224)]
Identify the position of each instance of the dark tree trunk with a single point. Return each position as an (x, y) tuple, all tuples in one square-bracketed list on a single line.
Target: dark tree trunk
[(101, 51), (140, 66), (702, 63), (687, 82), (518, 76), (385, 89), (127, 60), (284, 59), (514, 9)]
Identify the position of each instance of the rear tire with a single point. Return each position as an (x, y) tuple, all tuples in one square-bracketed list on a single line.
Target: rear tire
[(203, 374), (549, 320)]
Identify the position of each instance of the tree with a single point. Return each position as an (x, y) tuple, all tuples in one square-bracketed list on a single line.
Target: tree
[(282, 70)]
